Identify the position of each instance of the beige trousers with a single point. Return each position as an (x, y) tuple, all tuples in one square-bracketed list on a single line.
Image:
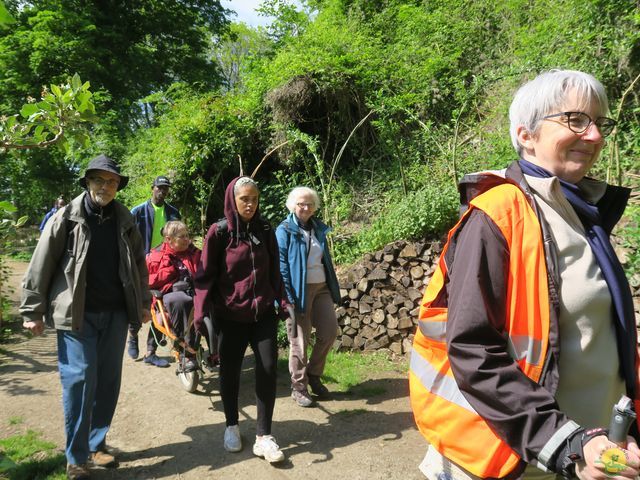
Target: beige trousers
[(321, 316)]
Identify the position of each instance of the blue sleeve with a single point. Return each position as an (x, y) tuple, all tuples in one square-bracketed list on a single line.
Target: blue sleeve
[(283, 251)]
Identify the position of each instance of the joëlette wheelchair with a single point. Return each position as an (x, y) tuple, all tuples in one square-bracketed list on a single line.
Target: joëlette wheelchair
[(206, 359)]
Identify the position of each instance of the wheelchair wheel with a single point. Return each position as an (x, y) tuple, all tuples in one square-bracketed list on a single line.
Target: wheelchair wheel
[(189, 380)]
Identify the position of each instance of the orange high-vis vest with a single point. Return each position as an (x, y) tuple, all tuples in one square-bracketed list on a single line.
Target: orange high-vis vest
[(443, 415)]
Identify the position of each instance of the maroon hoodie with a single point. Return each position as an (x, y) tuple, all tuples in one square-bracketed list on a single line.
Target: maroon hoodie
[(238, 277)]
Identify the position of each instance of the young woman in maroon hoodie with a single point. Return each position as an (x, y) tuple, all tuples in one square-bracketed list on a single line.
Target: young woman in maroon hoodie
[(238, 282)]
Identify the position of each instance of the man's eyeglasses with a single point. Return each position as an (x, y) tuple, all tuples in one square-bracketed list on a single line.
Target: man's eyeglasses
[(579, 122), (101, 182), (305, 205)]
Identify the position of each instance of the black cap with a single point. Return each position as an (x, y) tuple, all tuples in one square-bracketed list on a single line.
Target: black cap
[(161, 180), (106, 164)]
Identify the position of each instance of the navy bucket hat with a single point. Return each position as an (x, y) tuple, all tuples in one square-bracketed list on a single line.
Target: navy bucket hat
[(106, 164)]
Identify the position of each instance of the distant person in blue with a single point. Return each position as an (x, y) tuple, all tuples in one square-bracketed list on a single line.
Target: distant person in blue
[(57, 205), (150, 217)]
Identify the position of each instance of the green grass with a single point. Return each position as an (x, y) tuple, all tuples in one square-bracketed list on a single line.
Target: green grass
[(11, 330), (350, 372), (28, 457)]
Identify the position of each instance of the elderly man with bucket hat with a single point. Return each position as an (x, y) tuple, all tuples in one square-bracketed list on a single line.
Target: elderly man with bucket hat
[(88, 280), (150, 217)]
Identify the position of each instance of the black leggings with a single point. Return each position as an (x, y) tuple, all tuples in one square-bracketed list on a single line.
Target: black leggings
[(233, 340)]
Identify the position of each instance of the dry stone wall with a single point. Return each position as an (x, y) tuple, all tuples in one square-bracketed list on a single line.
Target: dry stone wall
[(381, 296)]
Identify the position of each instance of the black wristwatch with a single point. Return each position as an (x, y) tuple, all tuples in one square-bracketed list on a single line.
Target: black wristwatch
[(572, 452)]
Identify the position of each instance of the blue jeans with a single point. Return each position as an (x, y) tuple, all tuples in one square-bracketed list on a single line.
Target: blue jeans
[(90, 364)]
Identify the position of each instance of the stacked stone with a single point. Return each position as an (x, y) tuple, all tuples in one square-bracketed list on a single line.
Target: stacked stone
[(381, 296)]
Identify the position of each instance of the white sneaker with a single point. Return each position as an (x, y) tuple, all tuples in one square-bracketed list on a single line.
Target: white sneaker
[(232, 440), (267, 447)]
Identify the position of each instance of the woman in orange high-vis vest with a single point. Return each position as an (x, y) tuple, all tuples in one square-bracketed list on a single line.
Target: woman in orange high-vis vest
[(527, 335)]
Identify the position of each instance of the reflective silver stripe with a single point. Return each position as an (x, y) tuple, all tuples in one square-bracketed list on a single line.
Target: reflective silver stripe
[(539, 466), (556, 441), (522, 346), (433, 330), (437, 383)]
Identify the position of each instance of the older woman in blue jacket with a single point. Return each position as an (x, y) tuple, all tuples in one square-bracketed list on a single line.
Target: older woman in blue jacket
[(312, 287)]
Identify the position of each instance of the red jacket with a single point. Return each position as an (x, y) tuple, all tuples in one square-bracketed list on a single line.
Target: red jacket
[(163, 263)]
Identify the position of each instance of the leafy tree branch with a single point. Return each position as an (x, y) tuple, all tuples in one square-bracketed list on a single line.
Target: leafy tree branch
[(62, 114)]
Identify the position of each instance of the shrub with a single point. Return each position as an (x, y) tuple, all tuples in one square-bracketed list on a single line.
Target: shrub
[(427, 212)]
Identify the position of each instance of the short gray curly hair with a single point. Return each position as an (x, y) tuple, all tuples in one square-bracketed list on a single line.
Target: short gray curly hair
[(297, 192), (547, 93)]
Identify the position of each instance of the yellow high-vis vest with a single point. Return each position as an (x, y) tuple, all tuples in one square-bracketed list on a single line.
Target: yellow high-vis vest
[(443, 415)]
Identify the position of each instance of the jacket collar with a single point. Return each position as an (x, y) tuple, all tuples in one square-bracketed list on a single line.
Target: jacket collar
[(318, 226)]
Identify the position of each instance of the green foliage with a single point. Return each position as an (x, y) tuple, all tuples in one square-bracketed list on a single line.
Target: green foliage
[(28, 457), (5, 16), (60, 118), (377, 105), (288, 20), (8, 226), (630, 234), (237, 50), (282, 340), (428, 212), (127, 49), (198, 142)]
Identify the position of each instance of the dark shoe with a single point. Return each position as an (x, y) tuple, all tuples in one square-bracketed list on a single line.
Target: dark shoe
[(132, 347), (78, 472), (317, 387), (103, 459), (210, 362), (302, 398), (153, 359)]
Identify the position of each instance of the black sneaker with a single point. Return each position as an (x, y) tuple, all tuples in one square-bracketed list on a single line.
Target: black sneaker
[(317, 387), (132, 347)]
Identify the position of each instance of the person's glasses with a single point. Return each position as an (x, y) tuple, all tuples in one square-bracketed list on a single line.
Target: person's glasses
[(305, 205), (579, 122), (101, 182)]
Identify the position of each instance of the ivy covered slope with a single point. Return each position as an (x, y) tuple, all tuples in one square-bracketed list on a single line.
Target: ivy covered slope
[(380, 105), (383, 105)]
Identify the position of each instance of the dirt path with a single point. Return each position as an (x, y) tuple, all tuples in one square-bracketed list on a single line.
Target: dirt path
[(163, 432)]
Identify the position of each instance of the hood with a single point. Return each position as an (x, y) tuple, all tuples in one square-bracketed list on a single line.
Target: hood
[(234, 221)]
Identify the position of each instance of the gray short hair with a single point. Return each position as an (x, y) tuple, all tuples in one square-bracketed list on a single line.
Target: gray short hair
[(547, 93), (296, 192), (243, 182)]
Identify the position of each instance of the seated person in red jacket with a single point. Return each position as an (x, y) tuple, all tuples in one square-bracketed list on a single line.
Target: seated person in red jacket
[(171, 267)]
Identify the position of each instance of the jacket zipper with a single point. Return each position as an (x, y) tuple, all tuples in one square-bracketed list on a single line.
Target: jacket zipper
[(253, 273)]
